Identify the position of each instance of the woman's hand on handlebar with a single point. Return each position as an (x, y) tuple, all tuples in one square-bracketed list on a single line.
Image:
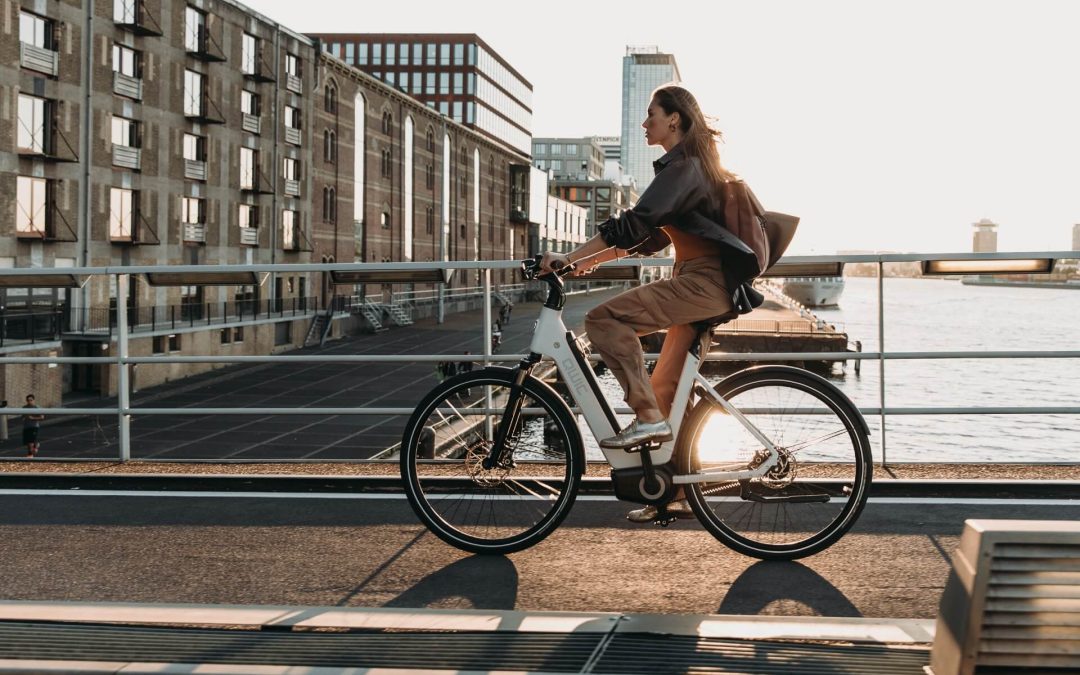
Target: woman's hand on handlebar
[(553, 262)]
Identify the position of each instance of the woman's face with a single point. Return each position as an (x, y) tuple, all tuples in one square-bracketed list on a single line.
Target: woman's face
[(658, 126)]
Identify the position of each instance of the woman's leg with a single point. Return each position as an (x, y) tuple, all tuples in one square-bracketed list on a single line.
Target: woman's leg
[(665, 376)]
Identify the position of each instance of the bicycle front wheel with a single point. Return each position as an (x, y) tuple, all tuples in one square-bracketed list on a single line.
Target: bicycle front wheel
[(815, 492), (501, 509)]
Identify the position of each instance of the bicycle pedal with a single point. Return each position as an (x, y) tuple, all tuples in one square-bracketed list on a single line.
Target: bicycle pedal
[(645, 447), (664, 521)]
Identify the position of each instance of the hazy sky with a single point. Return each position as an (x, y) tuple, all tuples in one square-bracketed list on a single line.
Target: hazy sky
[(884, 125)]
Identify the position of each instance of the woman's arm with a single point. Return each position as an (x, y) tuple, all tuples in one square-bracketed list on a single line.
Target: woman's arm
[(588, 255)]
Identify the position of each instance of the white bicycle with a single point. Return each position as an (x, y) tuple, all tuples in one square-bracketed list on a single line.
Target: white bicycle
[(775, 461)]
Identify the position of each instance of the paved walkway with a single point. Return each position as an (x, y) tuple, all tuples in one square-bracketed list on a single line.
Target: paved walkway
[(297, 437)]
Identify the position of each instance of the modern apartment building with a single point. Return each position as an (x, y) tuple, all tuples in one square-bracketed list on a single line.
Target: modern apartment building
[(204, 133), (457, 74), (600, 198), (569, 158), (644, 69)]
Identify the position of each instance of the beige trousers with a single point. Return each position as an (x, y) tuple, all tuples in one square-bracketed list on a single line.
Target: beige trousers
[(695, 292)]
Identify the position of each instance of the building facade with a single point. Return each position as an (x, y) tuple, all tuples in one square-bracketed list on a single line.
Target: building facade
[(600, 199), (644, 69), (1076, 237), (204, 133), (569, 158), (458, 75)]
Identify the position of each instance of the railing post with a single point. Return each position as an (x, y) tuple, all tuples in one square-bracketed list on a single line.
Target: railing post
[(123, 393), (489, 428), (881, 351)]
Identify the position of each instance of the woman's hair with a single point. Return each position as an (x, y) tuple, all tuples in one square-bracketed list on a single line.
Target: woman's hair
[(699, 139)]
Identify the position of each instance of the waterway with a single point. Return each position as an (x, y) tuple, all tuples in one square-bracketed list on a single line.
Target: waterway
[(945, 315)]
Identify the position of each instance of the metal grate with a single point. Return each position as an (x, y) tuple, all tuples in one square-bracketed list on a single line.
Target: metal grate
[(628, 654), (623, 653), (552, 652)]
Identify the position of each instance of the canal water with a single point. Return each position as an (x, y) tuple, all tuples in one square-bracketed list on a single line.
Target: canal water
[(945, 315)]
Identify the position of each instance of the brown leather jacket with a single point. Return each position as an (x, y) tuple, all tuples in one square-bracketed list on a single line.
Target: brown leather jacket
[(682, 196)]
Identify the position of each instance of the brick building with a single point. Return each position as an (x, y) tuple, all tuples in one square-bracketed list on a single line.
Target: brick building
[(205, 133)]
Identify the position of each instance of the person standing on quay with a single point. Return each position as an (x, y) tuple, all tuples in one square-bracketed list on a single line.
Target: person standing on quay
[(31, 427)]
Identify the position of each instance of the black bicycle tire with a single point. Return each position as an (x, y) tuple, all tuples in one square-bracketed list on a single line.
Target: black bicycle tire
[(855, 425), (435, 524)]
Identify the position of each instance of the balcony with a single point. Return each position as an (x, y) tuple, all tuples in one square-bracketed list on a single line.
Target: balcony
[(194, 169), (136, 19), (294, 84), (40, 59), (125, 85), (251, 123), (249, 236), (194, 233), (292, 135), (126, 157), (206, 47), (292, 188)]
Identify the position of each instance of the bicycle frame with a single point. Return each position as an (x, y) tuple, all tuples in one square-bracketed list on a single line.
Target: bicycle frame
[(552, 339)]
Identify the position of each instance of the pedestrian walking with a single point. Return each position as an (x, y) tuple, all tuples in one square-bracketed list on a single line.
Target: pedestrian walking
[(31, 428)]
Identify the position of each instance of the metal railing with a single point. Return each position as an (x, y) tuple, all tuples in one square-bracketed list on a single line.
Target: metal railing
[(123, 359), (106, 320)]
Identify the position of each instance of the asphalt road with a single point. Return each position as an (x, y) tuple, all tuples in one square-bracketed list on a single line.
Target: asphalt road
[(144, 547), (295, 437)]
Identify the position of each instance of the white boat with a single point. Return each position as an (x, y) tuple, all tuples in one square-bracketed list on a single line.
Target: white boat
[(814, 291)]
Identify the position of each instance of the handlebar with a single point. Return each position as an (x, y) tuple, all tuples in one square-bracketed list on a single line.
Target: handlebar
[(530, 269)]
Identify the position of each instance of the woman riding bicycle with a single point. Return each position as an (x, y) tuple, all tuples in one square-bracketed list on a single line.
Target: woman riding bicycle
[(707, 214)]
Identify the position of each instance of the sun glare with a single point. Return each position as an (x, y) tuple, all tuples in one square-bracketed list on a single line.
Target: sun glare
[(722, 440)]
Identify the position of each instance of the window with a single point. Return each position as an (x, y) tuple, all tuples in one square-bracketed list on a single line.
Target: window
[(193, 93), (238, 334), (556, 164), (292, 117), (429, 83), (126, 61), (350, 53), (362, 59), (33, 132), (429, 220), (403, 54), (387, 124), (31, 208), (289, 240), (226, 336), (444, 83), (249, 55), (459, 55), (556, 148), (121, 214), (330, 99), (248, 162), (292, 65), (391, 54), (431, 54), (457, 111), (429, 176), (603, 193), (444, 54), (430, 141), (376, 54), (125, 132), (163, 343), (403, 81), (291, 168), (330, 146), (194, 148), (192, 211), (249, 103), (384, 220), (194, 30), (249, 216), (418, 54), (124, 11), (541, 148), (459, 82), (329, 205), (36, 31), (571, 149), (386, 163)]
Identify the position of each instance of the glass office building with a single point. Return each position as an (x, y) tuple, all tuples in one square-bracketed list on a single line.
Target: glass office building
[(644, 69)]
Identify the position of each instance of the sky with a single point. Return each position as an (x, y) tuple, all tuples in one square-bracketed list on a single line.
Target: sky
[(886, 126)]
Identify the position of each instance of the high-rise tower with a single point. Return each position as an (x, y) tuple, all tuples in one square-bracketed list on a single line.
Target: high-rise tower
[(644, 69)]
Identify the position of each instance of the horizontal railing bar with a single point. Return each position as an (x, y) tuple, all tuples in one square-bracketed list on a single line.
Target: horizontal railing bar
[(1001, 410), (513, 264), (513, 358)]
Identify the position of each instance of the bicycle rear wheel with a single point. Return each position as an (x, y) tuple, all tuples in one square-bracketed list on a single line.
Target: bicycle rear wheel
[(817, 490), (502, 509)]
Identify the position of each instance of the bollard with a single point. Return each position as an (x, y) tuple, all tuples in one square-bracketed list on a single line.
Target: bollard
[(427, 443)]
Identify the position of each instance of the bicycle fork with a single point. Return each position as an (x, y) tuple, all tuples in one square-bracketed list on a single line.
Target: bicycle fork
[(511, 416)]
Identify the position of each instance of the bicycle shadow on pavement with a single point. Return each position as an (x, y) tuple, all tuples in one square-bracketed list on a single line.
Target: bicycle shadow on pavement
[(789, 583), (476, 582)]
